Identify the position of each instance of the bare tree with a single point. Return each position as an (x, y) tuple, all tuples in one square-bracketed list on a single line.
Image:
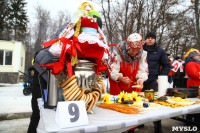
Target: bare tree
[(41, 30), (196, 4), (29, 49), (123, 17), (63, 18)]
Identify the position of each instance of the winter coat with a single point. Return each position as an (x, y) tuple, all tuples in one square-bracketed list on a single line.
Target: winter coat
[(192, 68), (179, 74), (171, 73), (44, 57), (156, 57)]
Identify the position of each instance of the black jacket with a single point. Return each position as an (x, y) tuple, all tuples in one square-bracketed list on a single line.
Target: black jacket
[(156, 57)]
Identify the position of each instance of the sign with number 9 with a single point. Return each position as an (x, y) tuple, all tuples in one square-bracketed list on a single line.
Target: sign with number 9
[(71, 114), (73, 111)]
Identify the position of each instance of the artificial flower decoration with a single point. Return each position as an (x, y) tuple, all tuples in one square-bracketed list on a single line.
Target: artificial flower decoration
[(106, 99), (134, 97), (123, 97)]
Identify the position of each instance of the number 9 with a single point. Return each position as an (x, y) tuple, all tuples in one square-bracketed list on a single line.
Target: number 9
[(73, 111)]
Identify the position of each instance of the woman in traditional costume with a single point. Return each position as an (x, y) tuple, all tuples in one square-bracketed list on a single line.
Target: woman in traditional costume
[(128, 66)]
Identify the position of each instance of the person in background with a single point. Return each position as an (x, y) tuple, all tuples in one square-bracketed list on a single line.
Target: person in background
[(179, 75), (156, 57), (41, 57), (171, 73), (36, 93), (128, 65), (192, 68)]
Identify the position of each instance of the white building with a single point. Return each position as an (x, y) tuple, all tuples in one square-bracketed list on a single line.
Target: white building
[(12, 60)]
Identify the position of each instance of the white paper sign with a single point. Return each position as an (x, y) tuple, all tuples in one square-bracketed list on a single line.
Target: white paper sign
[(176, 64), (71, 114)]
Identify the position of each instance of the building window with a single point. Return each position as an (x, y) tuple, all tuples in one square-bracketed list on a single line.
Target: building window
[(1, 57), (5, 57), (8, 58)]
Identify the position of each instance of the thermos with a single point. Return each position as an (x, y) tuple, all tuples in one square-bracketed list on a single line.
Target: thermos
[(50, 95), (52, 91)]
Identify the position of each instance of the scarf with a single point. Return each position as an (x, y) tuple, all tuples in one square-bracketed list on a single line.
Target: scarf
[(123, 51)]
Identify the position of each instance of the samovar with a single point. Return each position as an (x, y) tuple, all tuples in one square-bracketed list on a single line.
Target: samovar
[(85, 74)]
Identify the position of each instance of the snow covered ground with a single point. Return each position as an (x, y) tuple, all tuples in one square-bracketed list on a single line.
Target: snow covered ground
[(12, 99), (12, 102)]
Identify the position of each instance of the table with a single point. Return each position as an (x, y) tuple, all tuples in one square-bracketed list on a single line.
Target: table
[(104, 120)]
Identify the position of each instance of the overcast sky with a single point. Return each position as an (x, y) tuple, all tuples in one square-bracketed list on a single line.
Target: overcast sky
[(54, 6)]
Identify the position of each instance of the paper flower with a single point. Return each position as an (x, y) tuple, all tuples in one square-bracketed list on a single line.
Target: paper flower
[(123, 97), (134, 97), (106, 99)]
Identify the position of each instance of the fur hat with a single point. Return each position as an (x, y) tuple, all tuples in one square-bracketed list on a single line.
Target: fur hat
[(135, 41), (150, 34)]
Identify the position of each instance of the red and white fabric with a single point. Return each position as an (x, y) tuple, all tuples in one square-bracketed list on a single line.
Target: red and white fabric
[(135, 71)]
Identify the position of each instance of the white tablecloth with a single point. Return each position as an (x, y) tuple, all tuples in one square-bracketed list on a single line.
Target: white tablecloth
[(104, 120)]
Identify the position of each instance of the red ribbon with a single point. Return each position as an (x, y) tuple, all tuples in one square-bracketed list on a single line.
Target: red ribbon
[(49, 43), (75, 45), (114, 45), (57, 66), (102, 68)]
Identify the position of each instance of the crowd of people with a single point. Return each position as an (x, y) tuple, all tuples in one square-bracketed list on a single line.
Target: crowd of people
[(134, 65), (182, 74)]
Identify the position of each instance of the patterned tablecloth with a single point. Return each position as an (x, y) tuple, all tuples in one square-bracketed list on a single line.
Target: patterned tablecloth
[(104, 120)]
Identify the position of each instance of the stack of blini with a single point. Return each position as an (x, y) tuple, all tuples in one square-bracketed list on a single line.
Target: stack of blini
[(72, 92)]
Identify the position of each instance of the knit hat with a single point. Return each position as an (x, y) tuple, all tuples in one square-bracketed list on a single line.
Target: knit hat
[(189, 51), (135, 41), (150, 34), (194, 53)]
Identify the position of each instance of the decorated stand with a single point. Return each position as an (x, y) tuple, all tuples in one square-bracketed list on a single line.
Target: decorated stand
[(81, 49)]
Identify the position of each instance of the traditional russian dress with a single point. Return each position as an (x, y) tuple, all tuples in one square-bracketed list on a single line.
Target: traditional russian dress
[(121, 64)]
